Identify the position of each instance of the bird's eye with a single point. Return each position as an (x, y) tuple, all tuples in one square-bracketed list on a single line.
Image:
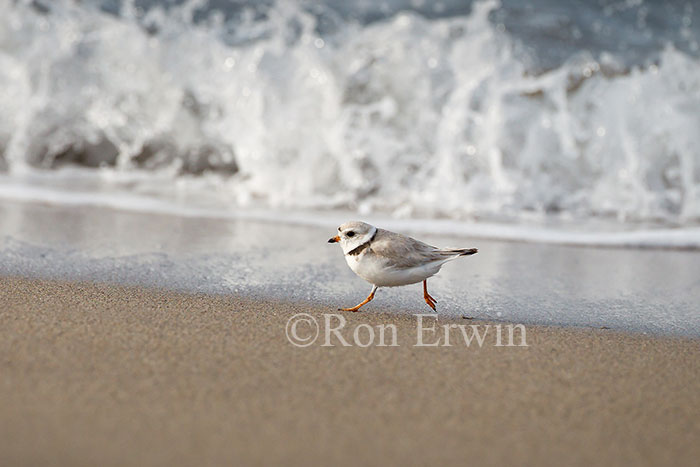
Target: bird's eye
[(351, 234)]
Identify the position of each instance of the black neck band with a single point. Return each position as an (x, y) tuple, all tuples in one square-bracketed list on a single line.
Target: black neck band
[(356, 251)]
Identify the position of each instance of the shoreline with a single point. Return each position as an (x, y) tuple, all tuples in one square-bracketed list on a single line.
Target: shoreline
[(377, 311), (96, 373), (646, 291)]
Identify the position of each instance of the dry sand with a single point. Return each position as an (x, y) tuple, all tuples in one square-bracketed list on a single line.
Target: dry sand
[(108, 375)]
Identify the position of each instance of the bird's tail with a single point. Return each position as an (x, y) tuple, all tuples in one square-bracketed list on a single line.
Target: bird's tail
[(460, 251)]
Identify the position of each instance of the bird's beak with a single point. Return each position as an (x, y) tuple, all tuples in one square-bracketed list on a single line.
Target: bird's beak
[(335, 239)]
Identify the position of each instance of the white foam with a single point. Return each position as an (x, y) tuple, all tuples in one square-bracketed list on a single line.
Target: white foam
[(407, 117), (116, 198)]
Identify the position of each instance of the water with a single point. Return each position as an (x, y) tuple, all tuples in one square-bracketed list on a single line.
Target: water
[(481, 114), (650, 291)]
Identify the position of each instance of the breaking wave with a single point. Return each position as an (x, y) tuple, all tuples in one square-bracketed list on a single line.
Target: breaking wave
[(295, 105)]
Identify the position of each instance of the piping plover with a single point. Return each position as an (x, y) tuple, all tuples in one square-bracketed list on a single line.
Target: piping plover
[(388, 259)]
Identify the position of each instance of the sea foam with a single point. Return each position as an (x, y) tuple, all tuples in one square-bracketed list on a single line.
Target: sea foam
[(300, 108)]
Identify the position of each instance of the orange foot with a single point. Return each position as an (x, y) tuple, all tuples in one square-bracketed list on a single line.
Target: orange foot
[(428, 298), (364, 302)]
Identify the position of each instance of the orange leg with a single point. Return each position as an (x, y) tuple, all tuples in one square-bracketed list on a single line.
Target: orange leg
[(428, 299), (364, 302)]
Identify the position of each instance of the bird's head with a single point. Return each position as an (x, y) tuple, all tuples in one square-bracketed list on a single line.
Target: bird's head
[(353, 234)]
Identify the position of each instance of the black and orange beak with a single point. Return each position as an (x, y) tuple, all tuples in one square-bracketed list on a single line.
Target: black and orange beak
[(335, 239)]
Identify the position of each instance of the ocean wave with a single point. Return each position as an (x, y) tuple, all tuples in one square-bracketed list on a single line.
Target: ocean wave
[(408, 116)]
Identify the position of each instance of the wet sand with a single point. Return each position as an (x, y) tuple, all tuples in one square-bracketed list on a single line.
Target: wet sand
[(651, 291), (107, 375)]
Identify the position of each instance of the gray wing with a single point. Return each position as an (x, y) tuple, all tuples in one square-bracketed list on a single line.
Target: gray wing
[(403, 252)]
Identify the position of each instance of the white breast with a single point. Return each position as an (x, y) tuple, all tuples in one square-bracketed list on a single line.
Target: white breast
[(374, 269)]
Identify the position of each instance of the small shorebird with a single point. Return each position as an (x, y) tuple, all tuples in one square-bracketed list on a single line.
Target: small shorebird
[(388, 259)]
